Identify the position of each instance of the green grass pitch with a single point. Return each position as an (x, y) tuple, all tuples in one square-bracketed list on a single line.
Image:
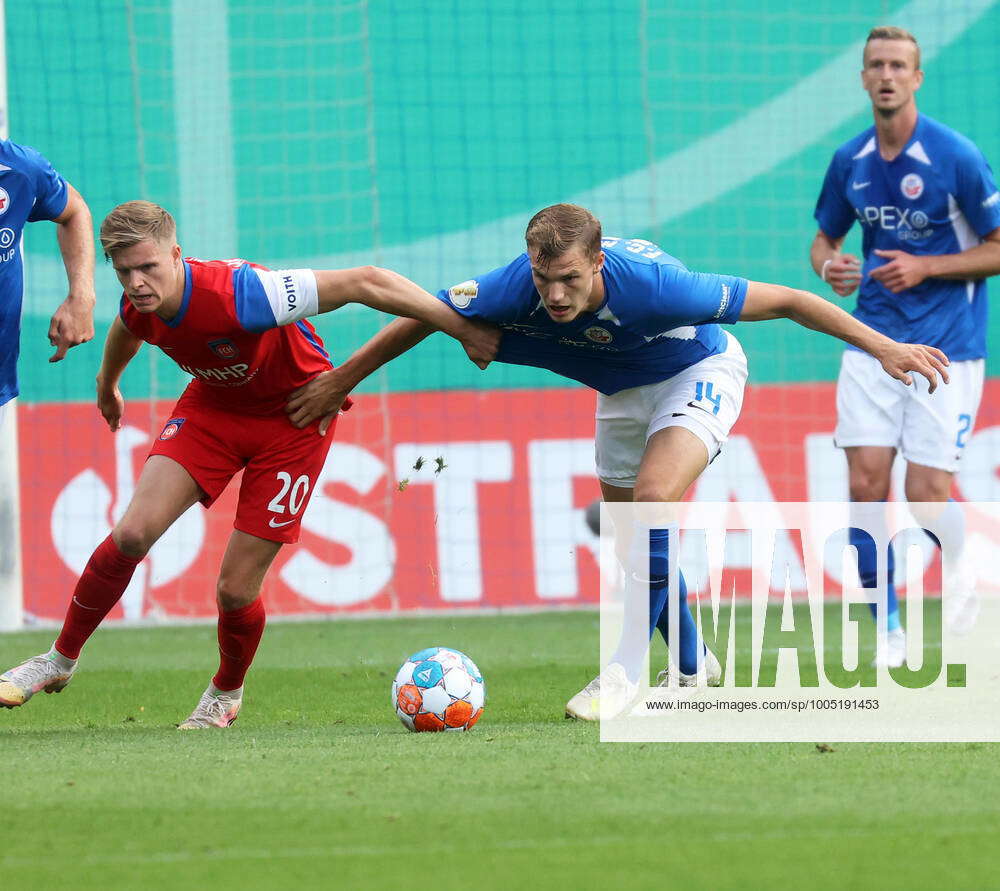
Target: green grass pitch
[(318, 785)]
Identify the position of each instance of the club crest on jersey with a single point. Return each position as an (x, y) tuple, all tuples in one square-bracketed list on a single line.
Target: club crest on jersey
[(912, 186), (172, 428), (598, 334), (224, 349), (4, 202), (462, 295)]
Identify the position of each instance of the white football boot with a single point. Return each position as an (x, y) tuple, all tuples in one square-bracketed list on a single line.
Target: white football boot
[(961, 602), (613, 685), (710, 674), (891, 650), (214, 710), (39, 673)]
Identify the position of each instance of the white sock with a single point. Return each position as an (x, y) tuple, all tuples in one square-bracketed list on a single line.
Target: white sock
[(949, 527), (66, 664)]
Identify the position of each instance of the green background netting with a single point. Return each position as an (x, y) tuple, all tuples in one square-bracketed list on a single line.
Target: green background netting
[(422, 136)]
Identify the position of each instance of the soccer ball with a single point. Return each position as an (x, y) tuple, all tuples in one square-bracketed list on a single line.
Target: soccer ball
[(438, 689)]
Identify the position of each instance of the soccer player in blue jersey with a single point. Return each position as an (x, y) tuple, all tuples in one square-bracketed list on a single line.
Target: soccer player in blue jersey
[(30, 190), (930, 217), (630, 321)]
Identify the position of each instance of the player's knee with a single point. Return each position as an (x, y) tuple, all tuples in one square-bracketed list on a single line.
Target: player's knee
[(230, 595), (919, 490), (867, 485), (132, 540)]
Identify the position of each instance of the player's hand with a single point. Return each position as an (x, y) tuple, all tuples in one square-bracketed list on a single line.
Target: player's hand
[(72, 324), (900, 358), (111, 405), (901, 272), (322, 398), (325, 423), (481, 341), (843, 274)]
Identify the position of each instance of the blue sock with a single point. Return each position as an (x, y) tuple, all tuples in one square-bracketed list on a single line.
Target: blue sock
[(687, 632), (659, 575), (867, 569)]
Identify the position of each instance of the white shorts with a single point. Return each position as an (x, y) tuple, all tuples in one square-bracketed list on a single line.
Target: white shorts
[(705, 398), (932, 429)]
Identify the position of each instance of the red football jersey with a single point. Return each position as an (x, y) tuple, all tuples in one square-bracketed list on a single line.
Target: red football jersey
[(226, 335)]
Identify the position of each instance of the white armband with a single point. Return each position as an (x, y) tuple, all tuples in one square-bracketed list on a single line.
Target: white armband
[(291, 293), (822, 272)]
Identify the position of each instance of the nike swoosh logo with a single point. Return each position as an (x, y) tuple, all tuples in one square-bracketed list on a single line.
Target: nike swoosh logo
[(697, 405), (274, 525), (857, 186)]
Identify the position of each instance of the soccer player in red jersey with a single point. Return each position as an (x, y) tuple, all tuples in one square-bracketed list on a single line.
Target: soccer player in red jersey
[(239, 330)]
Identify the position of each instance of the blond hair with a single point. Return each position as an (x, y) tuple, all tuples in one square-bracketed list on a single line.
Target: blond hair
[(891, 32), (136, 221), (554, 230)]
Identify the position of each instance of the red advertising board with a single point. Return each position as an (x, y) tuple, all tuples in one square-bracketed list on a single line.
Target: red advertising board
[(444, 500)]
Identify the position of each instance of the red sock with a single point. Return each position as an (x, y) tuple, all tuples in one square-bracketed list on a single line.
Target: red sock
[(101, 586), (240, 631)]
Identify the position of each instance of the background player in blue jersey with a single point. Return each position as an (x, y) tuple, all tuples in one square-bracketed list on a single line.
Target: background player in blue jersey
[(30, 190), (930, 217), (630, 321)]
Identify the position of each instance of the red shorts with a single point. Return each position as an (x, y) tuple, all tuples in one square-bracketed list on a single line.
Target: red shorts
[(280, 463)]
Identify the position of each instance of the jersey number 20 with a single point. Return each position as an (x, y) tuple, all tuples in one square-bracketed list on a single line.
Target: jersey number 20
[(296, 493)]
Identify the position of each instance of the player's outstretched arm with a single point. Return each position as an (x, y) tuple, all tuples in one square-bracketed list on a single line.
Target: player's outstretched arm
[(323, 396), (388, 291), (764, 301), (73, 322), (119, 348)]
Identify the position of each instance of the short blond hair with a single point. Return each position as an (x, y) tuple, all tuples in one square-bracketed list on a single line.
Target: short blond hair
[(136, 221), (554, 230), (891, 32)]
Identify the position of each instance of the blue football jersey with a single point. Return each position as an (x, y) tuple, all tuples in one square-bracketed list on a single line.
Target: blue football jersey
[(936, 197), (29, 190), (657, 319)]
